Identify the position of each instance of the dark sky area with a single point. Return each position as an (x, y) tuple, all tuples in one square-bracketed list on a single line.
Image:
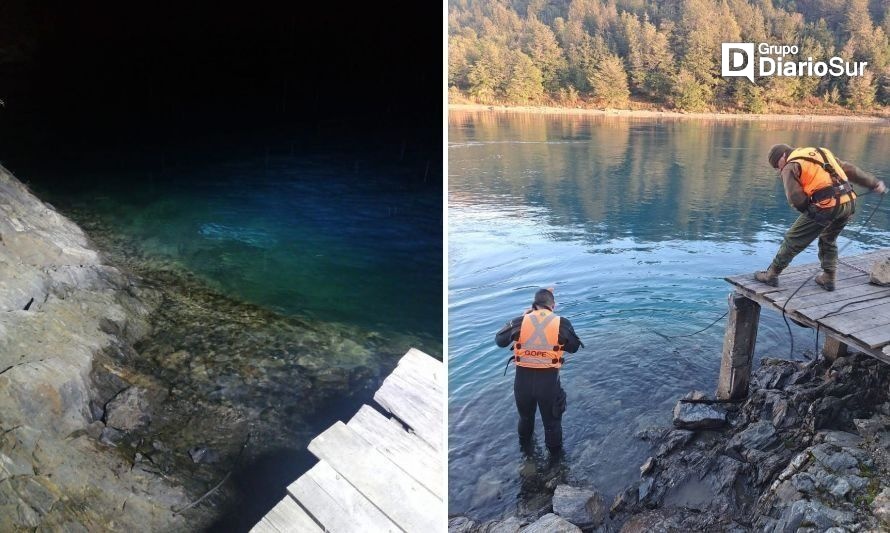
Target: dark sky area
[(82, 74)]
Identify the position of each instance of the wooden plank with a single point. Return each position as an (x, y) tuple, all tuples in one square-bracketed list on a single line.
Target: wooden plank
[(841, 286), (423, 384), (408, 452), (334, 502), (425, 367), (401, 498), (414, 407), (856, 321), (875, 337), (859, 345), (286, 517), (416, 356), (824, 297), (799, 272), (824, 311), (738, 347)]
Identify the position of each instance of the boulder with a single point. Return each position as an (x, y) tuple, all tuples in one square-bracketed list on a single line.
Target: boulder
[(550, 523), (881, 507), (759, 436), (509, 525), (460, 524), (698, 416), (128, 410), (813, 514), (582, 507), (880, 273)]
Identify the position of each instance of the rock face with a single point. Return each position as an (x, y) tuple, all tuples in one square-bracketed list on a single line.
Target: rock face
[(808, 451), (60, 307)]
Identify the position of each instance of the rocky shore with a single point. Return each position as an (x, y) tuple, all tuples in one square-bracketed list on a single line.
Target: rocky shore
[(809, 450), (129, 388), (61, 308)]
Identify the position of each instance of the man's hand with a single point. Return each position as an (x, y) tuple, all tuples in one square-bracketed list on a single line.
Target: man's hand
[(880, 188)]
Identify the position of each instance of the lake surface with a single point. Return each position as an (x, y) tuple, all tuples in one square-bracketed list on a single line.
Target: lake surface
[(293, 278), (635, 222), (337, 235)]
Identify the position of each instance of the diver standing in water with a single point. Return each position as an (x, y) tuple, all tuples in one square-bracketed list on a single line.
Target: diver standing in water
[(540, 338)]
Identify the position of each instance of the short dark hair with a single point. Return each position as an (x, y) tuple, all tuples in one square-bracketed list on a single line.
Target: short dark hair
[(544, 298)]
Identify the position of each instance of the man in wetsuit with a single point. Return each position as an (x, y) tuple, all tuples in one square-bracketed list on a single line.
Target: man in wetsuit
[(540, 338)]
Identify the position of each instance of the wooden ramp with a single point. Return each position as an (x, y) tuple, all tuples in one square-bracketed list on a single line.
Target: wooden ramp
[(856, 314), (377, 473)]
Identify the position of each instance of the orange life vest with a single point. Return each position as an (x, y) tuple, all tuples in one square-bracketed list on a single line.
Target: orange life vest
[(538, 345), (822, 178)]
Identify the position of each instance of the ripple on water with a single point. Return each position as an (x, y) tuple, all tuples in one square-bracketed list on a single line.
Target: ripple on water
[(636, 224)]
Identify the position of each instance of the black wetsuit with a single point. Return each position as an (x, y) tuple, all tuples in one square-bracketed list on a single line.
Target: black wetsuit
[(539, 388)]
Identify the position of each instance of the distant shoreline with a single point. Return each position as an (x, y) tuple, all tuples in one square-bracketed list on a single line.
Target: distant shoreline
[(641, 113)]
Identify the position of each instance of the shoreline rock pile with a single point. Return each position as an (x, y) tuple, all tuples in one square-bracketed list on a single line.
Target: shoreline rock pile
[(808, 450)]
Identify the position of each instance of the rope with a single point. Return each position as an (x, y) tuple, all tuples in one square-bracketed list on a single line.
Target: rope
[(669, 337)]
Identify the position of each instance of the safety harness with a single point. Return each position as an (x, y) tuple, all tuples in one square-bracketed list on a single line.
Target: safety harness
[(839, 187)]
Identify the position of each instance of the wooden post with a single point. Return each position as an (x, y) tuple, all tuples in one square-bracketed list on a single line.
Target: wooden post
[(738, 347), (833, 348)]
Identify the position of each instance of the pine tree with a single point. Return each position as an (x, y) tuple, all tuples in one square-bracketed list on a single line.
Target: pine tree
[(609, 82), (525, 83), (540, 44), (860, 93)]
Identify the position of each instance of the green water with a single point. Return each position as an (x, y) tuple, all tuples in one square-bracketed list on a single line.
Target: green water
[(635, 222)]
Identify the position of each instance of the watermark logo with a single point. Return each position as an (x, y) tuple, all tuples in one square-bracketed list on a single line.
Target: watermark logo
[(738, 60)]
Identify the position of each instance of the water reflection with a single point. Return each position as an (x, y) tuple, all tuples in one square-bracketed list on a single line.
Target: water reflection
[(653, 179), (635, 222)]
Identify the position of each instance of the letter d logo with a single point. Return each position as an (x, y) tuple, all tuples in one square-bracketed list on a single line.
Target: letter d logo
[(737, 59)]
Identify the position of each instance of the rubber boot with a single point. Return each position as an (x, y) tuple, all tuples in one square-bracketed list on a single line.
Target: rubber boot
[(826, 280), (769, 276)]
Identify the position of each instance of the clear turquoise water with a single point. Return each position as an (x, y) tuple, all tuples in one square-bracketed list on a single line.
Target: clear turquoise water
[(635, 222), (345, 236)]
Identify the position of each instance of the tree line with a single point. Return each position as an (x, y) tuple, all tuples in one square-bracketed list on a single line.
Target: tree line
[(634, 53)]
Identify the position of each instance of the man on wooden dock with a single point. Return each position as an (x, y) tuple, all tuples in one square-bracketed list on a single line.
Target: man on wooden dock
[(540, 338), (818, 185)]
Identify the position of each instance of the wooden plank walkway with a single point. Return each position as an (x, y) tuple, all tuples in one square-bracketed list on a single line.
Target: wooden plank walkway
[(856, 314), (377, 473)]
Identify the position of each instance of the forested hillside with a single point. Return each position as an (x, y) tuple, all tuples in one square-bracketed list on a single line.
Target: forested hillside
[(665, 54)]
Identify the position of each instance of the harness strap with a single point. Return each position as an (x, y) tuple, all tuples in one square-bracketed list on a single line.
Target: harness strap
[(840, 187), (538, 360)]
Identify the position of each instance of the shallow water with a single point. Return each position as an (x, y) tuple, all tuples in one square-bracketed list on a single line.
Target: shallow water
[(288, 287), (338, 236), (635, 222)]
